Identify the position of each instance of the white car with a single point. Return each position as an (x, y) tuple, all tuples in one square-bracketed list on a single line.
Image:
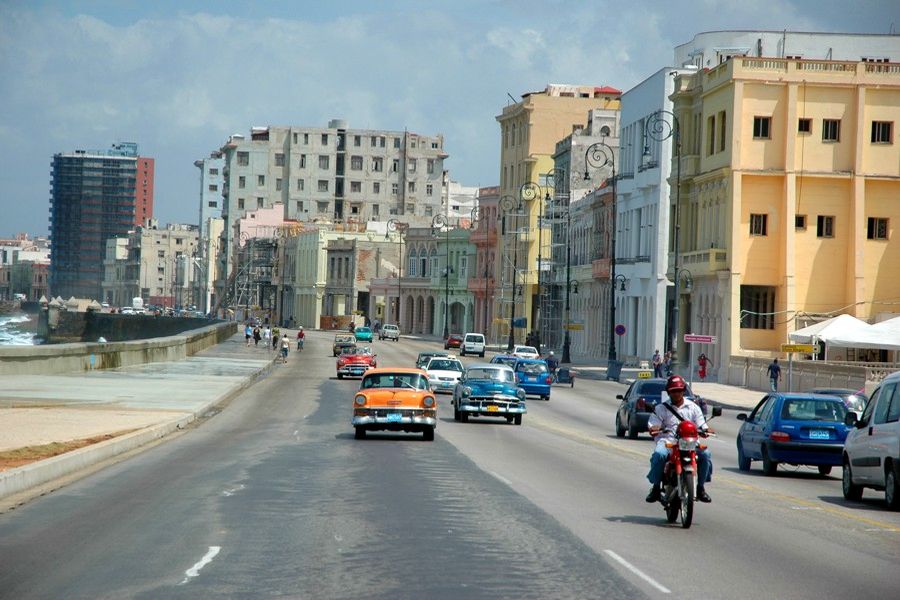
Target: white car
[(525, 352), (443, 373), (872, 449), (389, 332), (473, 343)]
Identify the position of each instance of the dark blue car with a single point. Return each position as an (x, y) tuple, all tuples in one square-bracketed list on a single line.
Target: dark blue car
[(534, 377), (799, 429)]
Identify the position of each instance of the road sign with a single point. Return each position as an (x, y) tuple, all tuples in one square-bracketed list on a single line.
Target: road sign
[(693, 338), (804, 348), (575, 326), (620, 329), (520, 322)]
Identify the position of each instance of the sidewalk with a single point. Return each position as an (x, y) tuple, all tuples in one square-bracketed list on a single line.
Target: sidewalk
[(136, 405)]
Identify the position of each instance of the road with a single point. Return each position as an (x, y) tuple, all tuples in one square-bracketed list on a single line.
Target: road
[(272, 496)]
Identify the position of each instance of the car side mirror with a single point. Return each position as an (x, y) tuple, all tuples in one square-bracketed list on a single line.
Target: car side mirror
[(741, 417), (714, 411), (620, 397), (852, 420)]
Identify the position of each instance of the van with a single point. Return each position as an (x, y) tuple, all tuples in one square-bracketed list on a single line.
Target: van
[(473, 343)]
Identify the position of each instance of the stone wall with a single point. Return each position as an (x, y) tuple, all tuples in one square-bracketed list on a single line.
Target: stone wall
[(65, 327)]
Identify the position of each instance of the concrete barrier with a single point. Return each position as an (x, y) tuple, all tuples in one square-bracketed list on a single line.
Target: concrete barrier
[(54, 359)]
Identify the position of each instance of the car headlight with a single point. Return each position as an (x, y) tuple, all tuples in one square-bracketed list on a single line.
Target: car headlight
[(360, 400), (520, 394), (466, 391), (428, 401)]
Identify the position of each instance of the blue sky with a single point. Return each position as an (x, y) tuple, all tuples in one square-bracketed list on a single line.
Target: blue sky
[(179, 76)]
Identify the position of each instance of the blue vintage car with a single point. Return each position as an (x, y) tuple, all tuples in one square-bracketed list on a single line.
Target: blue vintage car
[(363, 334), (488, 390), (533, 376)]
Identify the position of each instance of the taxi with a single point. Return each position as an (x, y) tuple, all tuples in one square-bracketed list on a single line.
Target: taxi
[(395, 399), (354, 362)]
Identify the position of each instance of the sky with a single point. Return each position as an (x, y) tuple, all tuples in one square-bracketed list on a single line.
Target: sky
[(179, 76)]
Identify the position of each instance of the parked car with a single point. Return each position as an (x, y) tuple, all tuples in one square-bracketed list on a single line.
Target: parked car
[(424, 357), (534, 377), (341, 341), (454, 340), (473, 343), (795, 428), (871, 457), (525, 352), (389, 332), (488, 390), (394, 400), (443, 373), (354, 362), (505, 359), (854, 400), (639, 400), (363, 334)]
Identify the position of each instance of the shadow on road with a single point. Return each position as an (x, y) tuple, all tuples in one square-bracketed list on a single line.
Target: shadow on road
[(873, 503), (640, 520)]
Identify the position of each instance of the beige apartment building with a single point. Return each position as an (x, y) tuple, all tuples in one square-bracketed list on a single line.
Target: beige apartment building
[(790, 180)]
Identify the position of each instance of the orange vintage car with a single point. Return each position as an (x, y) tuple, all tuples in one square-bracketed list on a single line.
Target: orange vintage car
[(395, 400)]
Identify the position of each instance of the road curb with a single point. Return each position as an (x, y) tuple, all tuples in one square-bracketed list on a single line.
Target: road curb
[(22, 479)]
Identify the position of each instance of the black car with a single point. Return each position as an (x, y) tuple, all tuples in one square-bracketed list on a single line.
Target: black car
[(424, 357), (853, 400), (639, 401)]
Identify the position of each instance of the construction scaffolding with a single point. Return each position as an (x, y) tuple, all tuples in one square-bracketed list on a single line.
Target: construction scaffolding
[(553, 272), (251, 288), (513, 274)]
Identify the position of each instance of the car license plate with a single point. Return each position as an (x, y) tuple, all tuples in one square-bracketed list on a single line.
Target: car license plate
[(532, 379), (394, 417), (818, 434), (493, 408)]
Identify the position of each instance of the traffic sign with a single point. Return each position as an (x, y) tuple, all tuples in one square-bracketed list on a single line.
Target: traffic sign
[(693, 338), (620, 329), (804, 348)]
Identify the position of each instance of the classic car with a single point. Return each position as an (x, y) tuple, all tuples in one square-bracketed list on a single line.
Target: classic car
[(639, 400), (488, 390), (341, 341), (534, 377), (505, 359), (389, 332), (424, 357), (443, 373), (354, 362), (454, 340), (363, 334), (395, 400), (525, 352)]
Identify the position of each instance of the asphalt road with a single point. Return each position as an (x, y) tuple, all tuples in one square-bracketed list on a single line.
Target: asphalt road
[(272, 496)]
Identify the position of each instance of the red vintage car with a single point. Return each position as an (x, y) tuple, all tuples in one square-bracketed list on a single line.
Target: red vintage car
[(354, 362), (455, 340)]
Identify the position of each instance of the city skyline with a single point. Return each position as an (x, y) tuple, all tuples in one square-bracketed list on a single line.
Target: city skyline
[(178, 80)]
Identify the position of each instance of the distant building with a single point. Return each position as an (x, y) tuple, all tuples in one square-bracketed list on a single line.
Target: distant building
[(95, 196), (460, 202), (211, 187)]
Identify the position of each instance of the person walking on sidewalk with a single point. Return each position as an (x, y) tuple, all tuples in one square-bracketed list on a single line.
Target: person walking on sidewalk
[(248, 333), (276, 333), (702, 363), (301, 337), (774, 372), (656, 361), (285, 347), (667, 364), (267, 335), (256, 336)]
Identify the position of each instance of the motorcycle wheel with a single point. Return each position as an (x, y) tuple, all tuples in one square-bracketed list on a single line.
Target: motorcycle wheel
[(672, 508), (687, 499)]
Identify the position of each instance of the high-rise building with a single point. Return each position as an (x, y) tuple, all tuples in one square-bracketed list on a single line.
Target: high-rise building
[(211, 183), (95, 195)]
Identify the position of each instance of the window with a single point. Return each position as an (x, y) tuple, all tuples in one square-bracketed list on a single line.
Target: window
[(762, 128), (299, 205), (324, 139), (430, 166), (243, 159), (323, 185), (242, 182), (831, 130), (306, 139), (411, 186), (278, 184), (279, 159), (260, 180), (212, 204), (711, 136), (759, 224), (825, 226), (376, 187), (302, 161), (804, 126), (378, 164), (322, 207), (757, 306), (160, 253), (429, 189), (411, 165), (395, 188), (213, 187), (381, 141), (295, 137), (396, 142), (877, 229), (374, 141), (395, 166), (299, 185), (881, 132), (722, 131), (800, 222), (375, 209), (355, 187), (241, 203), (213, 171), (357, 140), (259, 201), (356, 163), (434, 145), (324, 162)]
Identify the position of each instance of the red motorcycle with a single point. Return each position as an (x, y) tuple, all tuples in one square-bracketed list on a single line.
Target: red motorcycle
[(679, 482)]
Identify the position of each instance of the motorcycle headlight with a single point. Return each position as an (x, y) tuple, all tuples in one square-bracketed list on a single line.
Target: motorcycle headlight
[(687, 444), (428, 401), (520, 394), (360, 400)]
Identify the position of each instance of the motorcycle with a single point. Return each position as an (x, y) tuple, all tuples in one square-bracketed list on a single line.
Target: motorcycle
[(679, 482)]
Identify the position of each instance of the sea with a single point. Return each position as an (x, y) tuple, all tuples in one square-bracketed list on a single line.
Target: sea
[(17, 329)]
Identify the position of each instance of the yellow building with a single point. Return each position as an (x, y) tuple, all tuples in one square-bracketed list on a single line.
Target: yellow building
[(790, 189), (529, 131)]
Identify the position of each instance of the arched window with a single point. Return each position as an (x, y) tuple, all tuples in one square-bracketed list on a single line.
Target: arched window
[(423, 263)]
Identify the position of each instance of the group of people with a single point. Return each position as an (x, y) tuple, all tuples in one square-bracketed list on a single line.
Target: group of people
[(273, 338)]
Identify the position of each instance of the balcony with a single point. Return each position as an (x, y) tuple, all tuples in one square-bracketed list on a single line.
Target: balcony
[(703, 262)]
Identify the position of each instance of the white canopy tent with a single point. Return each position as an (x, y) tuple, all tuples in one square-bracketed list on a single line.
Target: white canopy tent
[(839, 326), (881, 336)]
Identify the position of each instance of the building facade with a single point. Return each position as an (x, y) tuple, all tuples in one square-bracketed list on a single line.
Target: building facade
[(482, 277), (211, 188)]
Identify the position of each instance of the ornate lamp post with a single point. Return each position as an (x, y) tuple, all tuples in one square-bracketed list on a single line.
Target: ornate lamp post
[(660, 126), (531, 191), (507, 205), (400, 227), (438, 223), (600, 155)]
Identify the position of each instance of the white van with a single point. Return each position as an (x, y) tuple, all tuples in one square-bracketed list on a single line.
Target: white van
[(473, 343)]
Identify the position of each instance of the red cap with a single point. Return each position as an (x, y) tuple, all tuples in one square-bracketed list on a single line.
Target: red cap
[(675, 382)]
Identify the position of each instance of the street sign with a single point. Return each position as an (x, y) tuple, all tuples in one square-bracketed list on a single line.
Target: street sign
[(692, 338), (620, 329), (575, 326), (520, 322), (804, 348)]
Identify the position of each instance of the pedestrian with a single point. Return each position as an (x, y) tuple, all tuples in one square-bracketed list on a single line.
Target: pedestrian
[(267, 335), (667, 363), (256, 336), (276, 333), (248, 333), (285, 347), (702, 363), (656, 361), (774, 372), (301, 337)]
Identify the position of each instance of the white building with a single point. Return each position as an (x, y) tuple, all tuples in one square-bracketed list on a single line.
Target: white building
[(211, 183), (460, 200)]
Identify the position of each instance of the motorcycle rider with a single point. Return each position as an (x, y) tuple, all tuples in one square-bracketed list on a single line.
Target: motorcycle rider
[(552, 363), (662, 425)]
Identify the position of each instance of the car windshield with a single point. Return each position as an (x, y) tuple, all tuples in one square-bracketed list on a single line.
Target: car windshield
[(483, 374), (526, 350), (474, 338), (412, 381), (344, 338), (802, 409), (439, 364), (362, 330), (505, 360), (532, 368), (651, 388)]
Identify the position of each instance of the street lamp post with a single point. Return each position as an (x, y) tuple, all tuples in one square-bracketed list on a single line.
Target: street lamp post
[(532, 191), (507, 205), (437, 223), (660, 126), (400, 227), (600, 155)]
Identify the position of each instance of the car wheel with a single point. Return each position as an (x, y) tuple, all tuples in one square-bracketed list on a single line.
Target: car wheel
[(743, 460), (464, 417), (824, 470), (769, 465), (545, 398), (891, 486), (428, 434), (462, 352), (481, 355), (518, 419), (632, 431), (620, 431), (360, 433), (340, 376), (850, 489)]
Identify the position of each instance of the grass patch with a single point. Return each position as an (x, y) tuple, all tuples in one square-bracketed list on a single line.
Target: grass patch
[(10, 459)]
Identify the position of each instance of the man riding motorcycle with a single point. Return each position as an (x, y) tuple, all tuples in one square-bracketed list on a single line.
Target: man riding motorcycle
[(662, 425)]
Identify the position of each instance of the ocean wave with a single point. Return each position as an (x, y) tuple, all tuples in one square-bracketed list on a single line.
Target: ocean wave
[(11, 334)]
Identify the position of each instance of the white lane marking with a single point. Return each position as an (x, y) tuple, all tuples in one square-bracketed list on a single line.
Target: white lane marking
[(501, 478), (233, 490), (638, 572), (806, 508), (207, 558)]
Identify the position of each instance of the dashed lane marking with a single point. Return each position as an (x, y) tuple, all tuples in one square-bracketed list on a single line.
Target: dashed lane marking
[(195, 570), (638, 572)]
